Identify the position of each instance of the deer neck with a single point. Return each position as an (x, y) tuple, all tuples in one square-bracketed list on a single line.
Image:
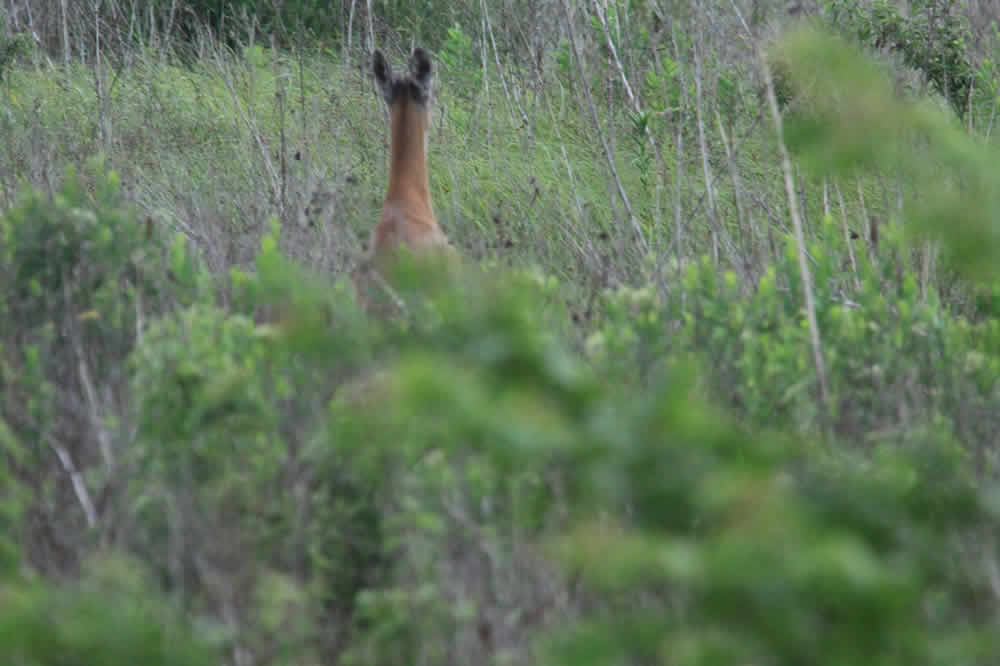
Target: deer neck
[(408, 178)]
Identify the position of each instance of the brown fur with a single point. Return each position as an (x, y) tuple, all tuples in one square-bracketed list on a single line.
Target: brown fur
[(408, 218)]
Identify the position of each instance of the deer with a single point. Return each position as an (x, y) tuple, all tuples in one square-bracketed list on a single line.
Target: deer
[(407, 218)]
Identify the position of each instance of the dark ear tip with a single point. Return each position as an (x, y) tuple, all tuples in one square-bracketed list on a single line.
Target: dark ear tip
[(380, 66), (420, 61)]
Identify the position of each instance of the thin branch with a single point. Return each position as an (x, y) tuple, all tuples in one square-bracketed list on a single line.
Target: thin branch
[(734, 176), (65, 32), (76, 478), (90, 392), (807, 290), (371, 28), (483, 49), (847, 236), (591, 253), (713, 218), (632, 98), (866, 222), (511, 100), (350, 29), (248, 120), (636, 227)]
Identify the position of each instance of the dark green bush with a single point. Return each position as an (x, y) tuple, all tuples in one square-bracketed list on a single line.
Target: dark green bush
[(319, 19), (81, 275), (743, 544), (10, 501), (931, 36), (231, 458), (314, 21), (896, 362), (113, 615)]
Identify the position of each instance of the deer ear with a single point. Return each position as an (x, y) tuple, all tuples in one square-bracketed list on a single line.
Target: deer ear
[(420, 69), (383, 74)]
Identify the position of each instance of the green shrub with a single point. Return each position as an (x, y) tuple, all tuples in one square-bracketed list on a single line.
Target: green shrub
[(849, 122), (319, 18), (931, 37), (113, 615), (10, 501), (742, 544), (82, 274), (895, 361), (233, 467)]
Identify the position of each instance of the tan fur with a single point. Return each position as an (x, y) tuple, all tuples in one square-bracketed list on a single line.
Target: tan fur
[(408, 218)]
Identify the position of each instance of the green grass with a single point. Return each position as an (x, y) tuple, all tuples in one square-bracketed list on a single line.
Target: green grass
[(191, 140)]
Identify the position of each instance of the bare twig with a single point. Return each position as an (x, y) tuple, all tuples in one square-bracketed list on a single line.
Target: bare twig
[(678, 161), (993, 575), (807, 290), (993, 117), (280, 94), (350, 29), (76, 478), (511, 100), (170, 20), (927, 256), (576, 236), (636, 227), (734, 176), (713, 218), (371, 28), (103, 105), (847, 236), (248, 120), (678, 190), (866, 222), (632, 97), (89, 390), (486, 84), (65, 31)]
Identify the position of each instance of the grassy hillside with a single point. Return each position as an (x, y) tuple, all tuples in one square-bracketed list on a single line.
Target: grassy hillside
[(687, 401)]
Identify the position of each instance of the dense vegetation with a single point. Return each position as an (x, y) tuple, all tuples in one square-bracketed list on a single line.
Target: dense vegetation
[(717, 382)]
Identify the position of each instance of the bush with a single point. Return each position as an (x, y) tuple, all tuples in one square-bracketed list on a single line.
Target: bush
[(896, 362), (236, 484), (931, 37), (317, 18), (82, 275), (113, 615), (742, 544), (10, 501)]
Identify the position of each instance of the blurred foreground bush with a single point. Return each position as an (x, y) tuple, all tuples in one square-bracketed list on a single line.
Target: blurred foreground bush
[(744, 545), (112, 615)]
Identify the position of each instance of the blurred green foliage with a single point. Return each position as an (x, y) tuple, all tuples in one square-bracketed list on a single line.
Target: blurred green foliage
[(930, 36), (112, 615), (849, 121)]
